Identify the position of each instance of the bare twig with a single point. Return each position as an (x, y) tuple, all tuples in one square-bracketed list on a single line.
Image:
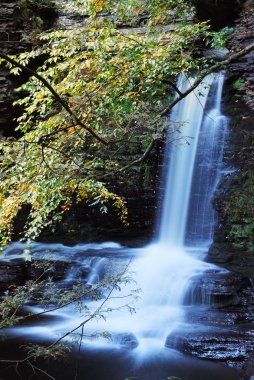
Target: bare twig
[(97, 311)]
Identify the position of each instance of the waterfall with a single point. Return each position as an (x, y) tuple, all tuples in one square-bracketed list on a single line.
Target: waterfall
[(192, 167), (201, 217), (190, 175), (164, 269), (189, 115), (193, 164)]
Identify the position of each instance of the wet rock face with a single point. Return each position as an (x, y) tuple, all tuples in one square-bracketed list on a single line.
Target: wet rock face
[(12, 272), (16, 271), (218, 290), (56, 270), (229, 347), (243, 36), (125, 340), (221, 13), (239, 98), (219, 325)]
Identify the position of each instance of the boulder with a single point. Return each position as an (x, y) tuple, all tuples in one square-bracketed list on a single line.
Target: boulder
[(230, 347), (13, 272), (125, 340)]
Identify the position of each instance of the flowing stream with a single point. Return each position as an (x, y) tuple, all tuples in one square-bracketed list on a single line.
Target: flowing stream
[(164, 269)]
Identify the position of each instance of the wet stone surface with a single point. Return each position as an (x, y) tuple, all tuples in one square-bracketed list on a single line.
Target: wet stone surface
[(12, 272), (219, 321), (230, 347), (217, 290), (243, 36), (125, 340)]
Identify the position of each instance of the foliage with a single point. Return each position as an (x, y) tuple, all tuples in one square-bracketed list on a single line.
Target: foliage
[(240, 213), (135, 11), (47, 294), (57, 352), (35, 15), (51, 296), (35, 8), (238, 84), (220, 38), (110, 79)]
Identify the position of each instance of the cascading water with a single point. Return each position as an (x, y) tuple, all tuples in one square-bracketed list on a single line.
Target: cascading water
[(191, 175), (165, 268), (208, 166), (181, 156)]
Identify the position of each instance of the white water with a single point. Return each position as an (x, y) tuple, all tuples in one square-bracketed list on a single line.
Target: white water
[(164, 269), (189, 113), (208, 169), (165, 273)]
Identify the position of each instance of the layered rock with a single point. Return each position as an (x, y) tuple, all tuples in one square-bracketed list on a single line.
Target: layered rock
[(219, 321), (242, 37), (12, 273)]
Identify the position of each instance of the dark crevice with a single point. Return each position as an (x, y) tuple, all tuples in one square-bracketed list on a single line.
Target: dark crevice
[(219, 13)]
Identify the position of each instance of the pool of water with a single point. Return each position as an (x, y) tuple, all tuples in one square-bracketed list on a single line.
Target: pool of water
[(115, 364)]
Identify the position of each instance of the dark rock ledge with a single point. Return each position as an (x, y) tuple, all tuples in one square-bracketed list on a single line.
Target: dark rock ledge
[(12, 272), (219, 321), (229, 347)]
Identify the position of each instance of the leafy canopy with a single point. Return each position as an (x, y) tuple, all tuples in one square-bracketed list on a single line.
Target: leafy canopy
[(116, 81)]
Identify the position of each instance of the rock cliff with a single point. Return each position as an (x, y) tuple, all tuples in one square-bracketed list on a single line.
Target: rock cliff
[(233, 245)]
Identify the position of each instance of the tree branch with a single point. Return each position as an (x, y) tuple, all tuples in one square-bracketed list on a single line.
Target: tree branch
[(142, 158), (170, 83), (182, 95), (55, 94), (204, 73), (97, 311)]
